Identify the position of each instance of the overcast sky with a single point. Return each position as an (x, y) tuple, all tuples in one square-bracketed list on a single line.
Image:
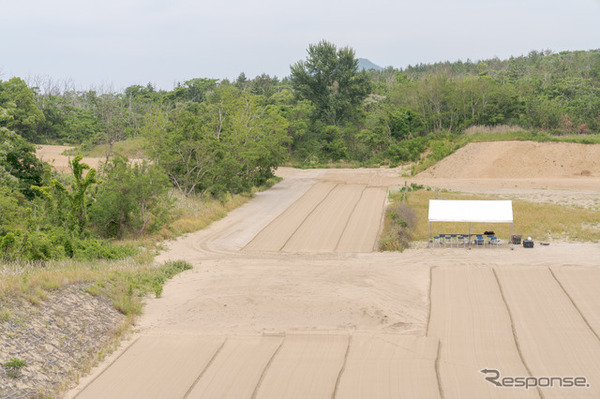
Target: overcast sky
[(126, 42)]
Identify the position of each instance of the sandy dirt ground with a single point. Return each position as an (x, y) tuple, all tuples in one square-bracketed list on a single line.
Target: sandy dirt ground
[(276, 308), (53, 155)]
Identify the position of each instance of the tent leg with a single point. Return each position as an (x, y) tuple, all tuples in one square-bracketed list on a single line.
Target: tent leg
[(469, 235), (430, 242)]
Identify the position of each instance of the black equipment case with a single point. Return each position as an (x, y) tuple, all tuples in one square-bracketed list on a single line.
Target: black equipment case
[(527, 243)]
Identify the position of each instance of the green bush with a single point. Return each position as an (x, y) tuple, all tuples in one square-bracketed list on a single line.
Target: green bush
[(132, 199)]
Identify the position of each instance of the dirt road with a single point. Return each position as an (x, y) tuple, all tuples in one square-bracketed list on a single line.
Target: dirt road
[(287, 300)]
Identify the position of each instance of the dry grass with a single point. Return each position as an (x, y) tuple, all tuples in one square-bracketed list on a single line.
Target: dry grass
[(197, 212), (33, 278), (498, 130), (542, 222), (131, 148), (399, 223)]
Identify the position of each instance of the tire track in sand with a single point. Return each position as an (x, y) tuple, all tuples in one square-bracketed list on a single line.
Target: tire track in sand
[(581, 284), (306, 367), (389, 366), (512, 326), (155, 367), (322, 229), (471, 321), (554, 338), (237, 370), (362, 228), (277, 233), (210, 362)]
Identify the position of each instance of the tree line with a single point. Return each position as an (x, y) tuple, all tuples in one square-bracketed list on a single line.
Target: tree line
[(213, 137)]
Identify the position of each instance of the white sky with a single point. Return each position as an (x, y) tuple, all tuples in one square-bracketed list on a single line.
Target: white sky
[(125, 42)]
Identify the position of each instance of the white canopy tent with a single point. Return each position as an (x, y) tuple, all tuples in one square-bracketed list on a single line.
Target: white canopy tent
[(470, 212)]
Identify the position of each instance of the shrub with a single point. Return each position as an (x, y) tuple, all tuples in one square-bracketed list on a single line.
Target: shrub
[(131, 199), (400, 221)]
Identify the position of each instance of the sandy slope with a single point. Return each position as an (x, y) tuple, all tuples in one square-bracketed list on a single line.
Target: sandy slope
[(516, 159), (543, 172), (278, 307)]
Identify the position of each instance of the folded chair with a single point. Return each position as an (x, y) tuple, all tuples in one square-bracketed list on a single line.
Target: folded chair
[(479, 240)]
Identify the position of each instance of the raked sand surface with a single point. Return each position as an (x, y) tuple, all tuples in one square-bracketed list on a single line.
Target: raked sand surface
[(288, 300)]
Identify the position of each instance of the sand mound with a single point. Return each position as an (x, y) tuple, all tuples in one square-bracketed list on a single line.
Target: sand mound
[(519, 159)]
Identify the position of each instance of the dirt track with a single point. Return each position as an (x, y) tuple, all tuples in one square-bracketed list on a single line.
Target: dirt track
[(328, 218), (277, 307)]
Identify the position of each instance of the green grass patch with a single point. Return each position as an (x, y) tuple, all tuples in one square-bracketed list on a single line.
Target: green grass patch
[(13, 367)]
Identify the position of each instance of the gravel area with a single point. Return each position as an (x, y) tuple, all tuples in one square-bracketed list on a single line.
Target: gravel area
[(57, 338)]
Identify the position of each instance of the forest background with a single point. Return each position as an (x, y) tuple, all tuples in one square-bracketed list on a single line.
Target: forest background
[(211, 139)]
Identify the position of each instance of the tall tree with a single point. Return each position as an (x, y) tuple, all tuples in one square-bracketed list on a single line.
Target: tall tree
[(25, 116), (330, 79)]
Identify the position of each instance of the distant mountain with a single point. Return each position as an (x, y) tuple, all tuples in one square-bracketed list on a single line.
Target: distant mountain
[(365, 64)]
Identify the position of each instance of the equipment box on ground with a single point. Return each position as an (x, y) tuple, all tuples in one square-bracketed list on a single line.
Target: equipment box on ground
[(527, 243)]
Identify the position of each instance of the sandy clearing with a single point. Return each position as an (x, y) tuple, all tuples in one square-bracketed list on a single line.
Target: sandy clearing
[(155, 367), (255, 295), (306, 366), (389, 366), (53, 155), (363, 226), (237, 370), (471, 321), (321, 229), (553, 337)]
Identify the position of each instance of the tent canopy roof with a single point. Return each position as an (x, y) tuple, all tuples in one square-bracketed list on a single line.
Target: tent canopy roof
[(470, 211)]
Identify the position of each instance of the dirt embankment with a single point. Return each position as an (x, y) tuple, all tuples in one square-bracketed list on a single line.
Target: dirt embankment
[(56, 338), (561, 173), (518, 159)]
